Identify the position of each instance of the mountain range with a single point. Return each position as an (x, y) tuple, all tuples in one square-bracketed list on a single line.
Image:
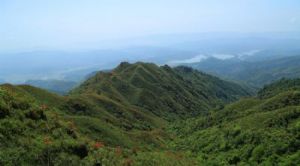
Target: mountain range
[(145, 114), (45, 64)]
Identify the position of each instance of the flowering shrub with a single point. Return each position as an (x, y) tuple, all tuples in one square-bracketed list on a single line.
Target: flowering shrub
[(98, 145)]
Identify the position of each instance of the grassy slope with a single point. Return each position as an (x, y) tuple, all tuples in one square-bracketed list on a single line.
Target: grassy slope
[(163, 91), (250, 131), (32, 133), (135, 101)]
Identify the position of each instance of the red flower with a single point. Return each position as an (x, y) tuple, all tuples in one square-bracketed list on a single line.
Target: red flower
[(98, 145)]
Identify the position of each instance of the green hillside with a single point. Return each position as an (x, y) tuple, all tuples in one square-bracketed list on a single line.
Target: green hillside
[(115, 118), (34, 133), (279, 87), (31, 133), (163, 91), (137, 101), (143, 114), (252, 131)]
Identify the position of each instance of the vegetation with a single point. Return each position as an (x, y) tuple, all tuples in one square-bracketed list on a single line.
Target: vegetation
[(279, 87), (142, 114), (163, 91), (34, 132), (252, 131)]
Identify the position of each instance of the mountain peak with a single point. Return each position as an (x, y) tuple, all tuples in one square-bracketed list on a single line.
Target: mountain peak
[(123, 64)]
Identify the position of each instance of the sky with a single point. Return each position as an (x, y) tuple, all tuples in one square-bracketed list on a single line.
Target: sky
[(68, 24)]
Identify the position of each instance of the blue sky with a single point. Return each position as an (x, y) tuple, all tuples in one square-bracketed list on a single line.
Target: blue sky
[(59, 24)]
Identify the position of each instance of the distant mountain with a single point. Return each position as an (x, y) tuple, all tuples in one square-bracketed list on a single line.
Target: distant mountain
[(51, 64), (158, 49), (56, 86), (252, 131), (255, 73)]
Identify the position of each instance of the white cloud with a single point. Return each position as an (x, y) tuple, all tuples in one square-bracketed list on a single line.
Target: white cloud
[(223, 56), (248, 53), (195, 59)]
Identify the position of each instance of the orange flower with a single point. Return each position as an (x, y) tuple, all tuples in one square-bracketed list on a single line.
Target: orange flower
[(98, 145)]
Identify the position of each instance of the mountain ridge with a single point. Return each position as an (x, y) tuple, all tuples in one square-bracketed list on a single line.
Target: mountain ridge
[(132, 82)]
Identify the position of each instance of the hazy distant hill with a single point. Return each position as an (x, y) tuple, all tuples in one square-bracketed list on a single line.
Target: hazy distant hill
[(57, 86), (159, 49), (255, 73)]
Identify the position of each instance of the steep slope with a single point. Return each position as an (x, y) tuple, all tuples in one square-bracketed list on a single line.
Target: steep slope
[(163, 91), (257, 73), (34, 133), (252, 131)]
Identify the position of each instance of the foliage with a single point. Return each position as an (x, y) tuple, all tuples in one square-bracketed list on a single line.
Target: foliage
[(162, 91), (279, 87), (251, 131)]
